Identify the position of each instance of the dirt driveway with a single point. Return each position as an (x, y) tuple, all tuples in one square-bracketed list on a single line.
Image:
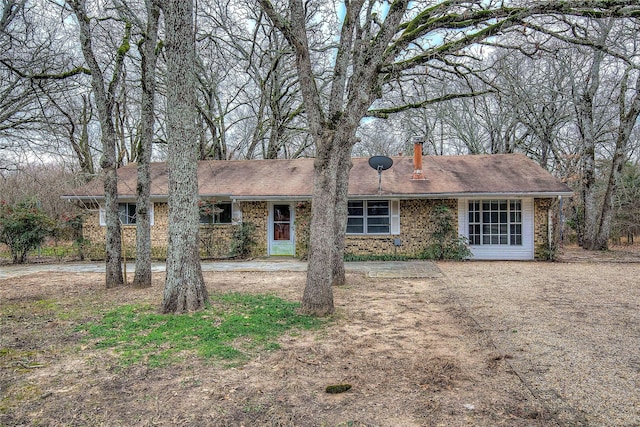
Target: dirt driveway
[(571, 332), (468, 344)]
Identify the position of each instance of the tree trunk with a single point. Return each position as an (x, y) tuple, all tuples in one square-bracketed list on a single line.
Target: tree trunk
[(628, 120), (584, 111), (142, 278), (601, 241), (317, 298), (104, 103), (113, 267), (184, 286), (342, 212), (328, 219)]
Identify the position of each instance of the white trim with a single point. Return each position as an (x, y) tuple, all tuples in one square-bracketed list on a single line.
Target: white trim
[(365, 225), (395, 217), (236, 212), (289, 245), (102, 217), (408, 196), (500, 252)]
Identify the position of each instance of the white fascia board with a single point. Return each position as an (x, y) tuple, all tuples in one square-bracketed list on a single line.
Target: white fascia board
[(472, 195), (458, 196), (163, 197)]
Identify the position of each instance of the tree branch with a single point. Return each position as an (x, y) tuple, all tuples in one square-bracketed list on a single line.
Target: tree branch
[(384, 113), (46, 76), (426, 23), (297, 37)]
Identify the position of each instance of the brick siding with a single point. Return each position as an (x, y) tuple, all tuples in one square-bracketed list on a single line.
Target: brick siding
[(215, 239), (257, 214), (416, 227), (541, 208)]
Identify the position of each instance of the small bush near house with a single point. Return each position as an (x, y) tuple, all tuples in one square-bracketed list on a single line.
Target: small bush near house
[(23, 227), (243, 240), (456, 249), (547, 252), (445, 242)]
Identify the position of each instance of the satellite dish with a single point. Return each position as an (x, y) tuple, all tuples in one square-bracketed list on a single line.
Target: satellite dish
[(380, 163)]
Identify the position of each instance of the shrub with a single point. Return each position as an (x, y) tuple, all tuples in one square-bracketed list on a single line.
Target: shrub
[(23, 227), (445, 242), (243, 240), (455, 249)]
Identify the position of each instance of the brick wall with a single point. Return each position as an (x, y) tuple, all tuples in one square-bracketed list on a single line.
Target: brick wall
[(257, 214), (215, 240), (93, 233), (541, 209), (416, 226)]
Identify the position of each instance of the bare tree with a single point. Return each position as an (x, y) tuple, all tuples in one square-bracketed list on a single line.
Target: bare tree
[(247, 86), (629, 110), (270, 65), (585, 105), (74, 124), (184, 286), (149, 53), (147, 24), (32, 63), (376, 44), (104, 92)]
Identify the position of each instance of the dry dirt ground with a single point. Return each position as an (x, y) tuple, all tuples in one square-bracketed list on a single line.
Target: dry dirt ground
[(465, 349), (570, 331)]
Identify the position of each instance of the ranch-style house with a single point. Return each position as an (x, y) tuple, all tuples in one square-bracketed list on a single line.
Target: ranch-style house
[(504, 205)]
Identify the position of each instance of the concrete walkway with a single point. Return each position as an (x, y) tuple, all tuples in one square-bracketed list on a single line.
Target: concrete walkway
[(379, 269)]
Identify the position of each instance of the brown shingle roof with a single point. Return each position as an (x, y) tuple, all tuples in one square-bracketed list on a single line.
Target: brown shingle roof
[(446, 176)]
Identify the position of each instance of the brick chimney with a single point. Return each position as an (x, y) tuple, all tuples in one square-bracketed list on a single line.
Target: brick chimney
[(417, 161)]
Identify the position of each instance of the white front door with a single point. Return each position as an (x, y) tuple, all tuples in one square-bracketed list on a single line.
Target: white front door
[(281, 234)]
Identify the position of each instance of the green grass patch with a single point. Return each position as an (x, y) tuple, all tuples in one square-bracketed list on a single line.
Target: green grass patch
[(234, 326)]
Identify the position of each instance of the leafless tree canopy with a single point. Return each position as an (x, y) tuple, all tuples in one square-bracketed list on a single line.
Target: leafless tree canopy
[(86, 84)]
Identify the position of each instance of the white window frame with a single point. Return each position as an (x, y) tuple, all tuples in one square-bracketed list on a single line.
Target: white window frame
[(501, 252), (103, 214), (394, 217), (513, 219)]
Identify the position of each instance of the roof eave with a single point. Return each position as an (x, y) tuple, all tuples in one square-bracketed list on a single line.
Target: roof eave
[(282, 197), (485, 195), (507, 194)]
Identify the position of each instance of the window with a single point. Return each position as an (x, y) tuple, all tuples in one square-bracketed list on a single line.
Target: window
[(368, 217), (219, 213), (126, 213), (495, 222), (281, 222)]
